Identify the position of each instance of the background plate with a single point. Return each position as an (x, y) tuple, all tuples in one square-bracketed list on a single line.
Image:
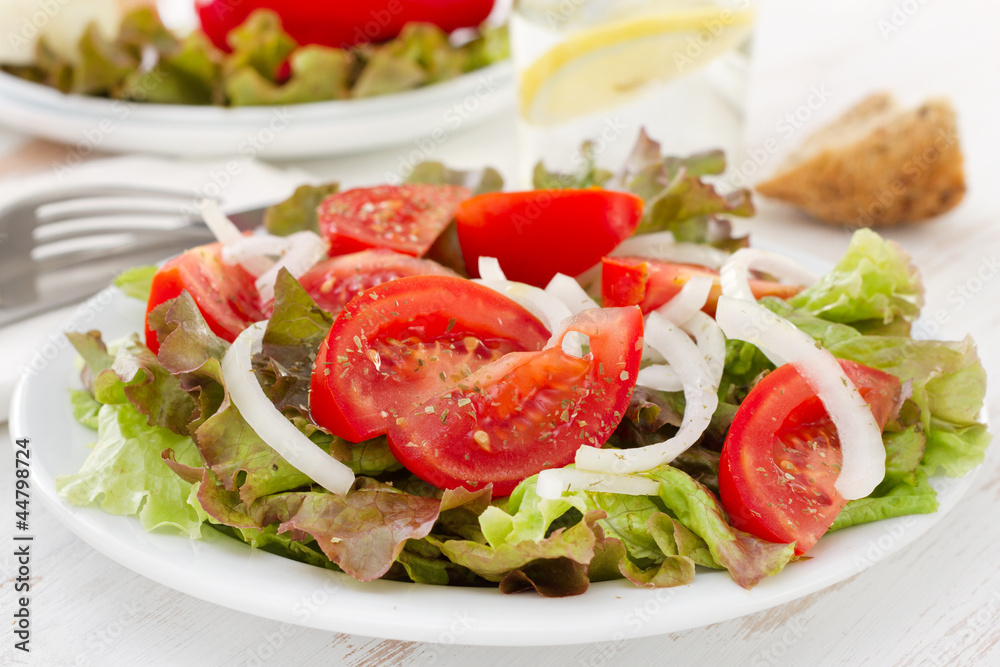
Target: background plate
[(227, 572), (295, 131)]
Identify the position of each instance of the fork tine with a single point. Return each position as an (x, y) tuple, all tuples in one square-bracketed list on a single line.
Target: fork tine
[(96, 192), (85, 214), (195, 231), (165, 240)]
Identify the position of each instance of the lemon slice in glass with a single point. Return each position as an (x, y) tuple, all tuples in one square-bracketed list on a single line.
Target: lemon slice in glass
[(599, 68)]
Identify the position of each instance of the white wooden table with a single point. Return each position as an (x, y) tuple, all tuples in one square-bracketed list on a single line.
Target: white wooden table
[(937, 603)]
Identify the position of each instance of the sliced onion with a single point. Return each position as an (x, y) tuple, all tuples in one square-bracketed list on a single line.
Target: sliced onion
[(221, 227), (550, 310), (863, 465), (661, 245), (489, 269), (252, 252), (700, 403), (567, 290), (554, 482), (305, 249), (735, 272), (690, 300), (268, 423), (659, 377), (711, 343)]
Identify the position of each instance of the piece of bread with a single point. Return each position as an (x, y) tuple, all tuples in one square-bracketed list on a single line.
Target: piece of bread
[(876, 165)]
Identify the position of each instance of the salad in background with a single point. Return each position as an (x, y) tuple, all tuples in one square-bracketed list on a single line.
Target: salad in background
[(254, 53), (335, 391)]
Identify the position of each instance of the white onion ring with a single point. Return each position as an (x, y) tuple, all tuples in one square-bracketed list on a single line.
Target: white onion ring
[(700, 403), (567, 290), (550, 310), (659, 377), (552, 483), (221, 226), (741, 317), (863, 465), (735, 273), (690, 300), (661, 245), (304, 250), (251, 252), (268, 423)]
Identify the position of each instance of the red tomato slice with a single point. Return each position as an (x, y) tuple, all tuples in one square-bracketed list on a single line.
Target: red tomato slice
[(399, 343), (335, 281), (225, 293), (539, 233), (404, 218), (782, 455), (650, 283), (525, 412), (342, 24)]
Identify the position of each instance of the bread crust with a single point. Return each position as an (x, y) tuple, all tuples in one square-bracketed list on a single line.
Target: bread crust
[(906, 167)]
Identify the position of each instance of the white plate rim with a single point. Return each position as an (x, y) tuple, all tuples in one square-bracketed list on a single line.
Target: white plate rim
[(226, 572), (47, 97)]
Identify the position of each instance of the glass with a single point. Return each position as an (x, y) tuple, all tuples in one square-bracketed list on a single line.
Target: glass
[(600, 70)]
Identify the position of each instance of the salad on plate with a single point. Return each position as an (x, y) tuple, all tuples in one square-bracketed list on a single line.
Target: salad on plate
[(444, 383), (254, 53)]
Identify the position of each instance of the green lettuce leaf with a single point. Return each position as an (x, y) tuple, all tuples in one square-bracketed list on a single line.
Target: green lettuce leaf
[(900, 500), (102, 64), (555, 565), (138, 377), (587, 175), (677, 197), (363, 532), (955, 449), (298, 212), (85, 407), (186, 72), (318, 73), (260, 44), (873, 281), (136, 282), (125, 474), (291, 340), (747, 558)]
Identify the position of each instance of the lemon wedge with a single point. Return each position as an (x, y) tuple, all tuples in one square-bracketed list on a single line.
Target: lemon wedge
[(599, 68)]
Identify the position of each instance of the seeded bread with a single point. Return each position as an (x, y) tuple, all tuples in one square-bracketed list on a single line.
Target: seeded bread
[(877, 164)]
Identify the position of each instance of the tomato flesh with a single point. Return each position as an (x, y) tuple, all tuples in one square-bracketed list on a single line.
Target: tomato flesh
[(224, 293), (650, 283), (525, 412), (539, 233), (333, 282), (781, 457), (404, 218), (342, 24), (397, 344)]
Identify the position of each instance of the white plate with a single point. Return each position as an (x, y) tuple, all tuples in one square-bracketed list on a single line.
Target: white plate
[(227, 572), (425, 115)]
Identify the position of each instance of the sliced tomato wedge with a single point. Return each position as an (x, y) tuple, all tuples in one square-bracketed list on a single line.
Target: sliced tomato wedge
[(335, 281), (342, 24), (525, 412), (225, 293), (399, 343), (404, 218), (781, 457), (539, 233), (650, 283)]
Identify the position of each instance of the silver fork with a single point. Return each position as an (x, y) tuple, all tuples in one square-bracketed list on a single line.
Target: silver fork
[(62, 246)]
